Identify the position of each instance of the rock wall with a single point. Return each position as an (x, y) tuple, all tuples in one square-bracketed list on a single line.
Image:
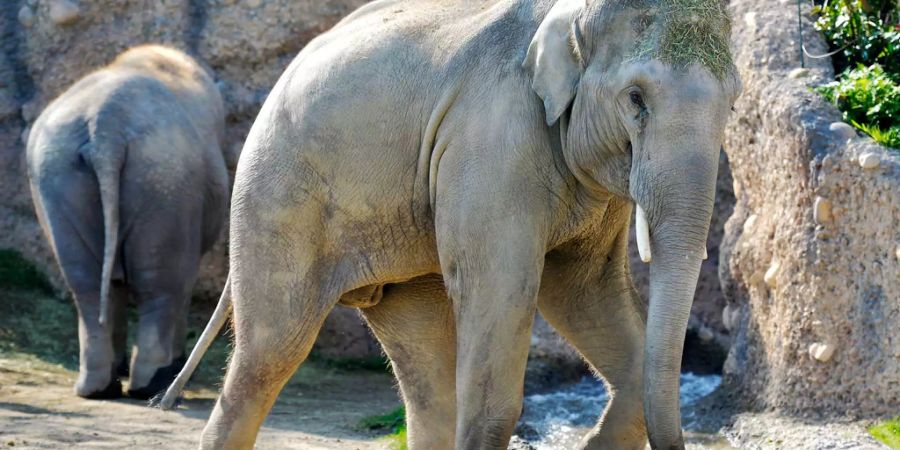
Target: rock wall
[(47, 45), (810, 256)]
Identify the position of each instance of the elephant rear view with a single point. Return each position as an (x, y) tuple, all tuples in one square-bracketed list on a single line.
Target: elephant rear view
[(130, 186)]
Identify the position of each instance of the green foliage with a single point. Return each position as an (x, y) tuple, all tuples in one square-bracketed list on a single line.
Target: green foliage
[(866, 30), (870, 100), (887, 138), (397, 439), (887, 432), (18, 273), (690, 31), (394, 421)]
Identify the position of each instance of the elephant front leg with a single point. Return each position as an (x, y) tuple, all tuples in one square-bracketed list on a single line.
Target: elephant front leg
[(600, 315), (492, 276)]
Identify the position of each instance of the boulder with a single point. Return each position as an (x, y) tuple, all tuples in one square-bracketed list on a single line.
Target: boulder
[(808, 262)]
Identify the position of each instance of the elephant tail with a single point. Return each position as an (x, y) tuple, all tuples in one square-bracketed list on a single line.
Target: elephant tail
[(219, 316), (107, 157)]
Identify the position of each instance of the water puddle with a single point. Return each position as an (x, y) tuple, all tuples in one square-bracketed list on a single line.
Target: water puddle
[(557, 420)]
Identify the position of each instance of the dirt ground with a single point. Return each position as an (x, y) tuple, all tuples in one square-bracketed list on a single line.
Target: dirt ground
[(319, 409)]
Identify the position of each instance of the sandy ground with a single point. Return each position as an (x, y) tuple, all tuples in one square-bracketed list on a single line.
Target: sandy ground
[(38, 410)]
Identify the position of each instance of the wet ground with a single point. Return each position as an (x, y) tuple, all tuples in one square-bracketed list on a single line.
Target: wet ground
[(557, 419)]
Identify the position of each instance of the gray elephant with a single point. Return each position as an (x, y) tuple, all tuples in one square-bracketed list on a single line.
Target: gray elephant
[(131, 188), (451, 168)]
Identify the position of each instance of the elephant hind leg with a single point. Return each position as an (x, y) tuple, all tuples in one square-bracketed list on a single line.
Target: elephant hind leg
[(277, 316), (414, 323), (77, 240)]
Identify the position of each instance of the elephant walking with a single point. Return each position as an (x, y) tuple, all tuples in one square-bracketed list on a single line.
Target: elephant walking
[(131, 188), (451, 167)]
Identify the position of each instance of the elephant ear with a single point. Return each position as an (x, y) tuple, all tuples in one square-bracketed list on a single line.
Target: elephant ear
[(554, 58)]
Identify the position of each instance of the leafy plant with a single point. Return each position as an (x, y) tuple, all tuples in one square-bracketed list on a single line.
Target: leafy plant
[(888, 138), (870, 100), (866, 31), (887, 432)]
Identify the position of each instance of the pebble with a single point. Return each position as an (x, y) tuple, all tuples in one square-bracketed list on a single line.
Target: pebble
[(705, 334), (798, 73), (749, 223), (63, 12), (842, 130), (750, 19), (728, 317), (821, 352), (29, 111), (254, 3), (26, 17), (771, 276), (869, 160), (822, 210)]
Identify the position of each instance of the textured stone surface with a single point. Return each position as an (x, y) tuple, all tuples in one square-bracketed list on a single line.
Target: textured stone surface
[(818, 335), (43, 51)]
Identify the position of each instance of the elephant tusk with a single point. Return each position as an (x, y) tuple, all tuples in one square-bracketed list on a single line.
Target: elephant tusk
[(705, 254), (642, 232)]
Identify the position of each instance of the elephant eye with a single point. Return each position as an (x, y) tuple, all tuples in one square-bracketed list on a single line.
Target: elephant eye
[(637, 99)]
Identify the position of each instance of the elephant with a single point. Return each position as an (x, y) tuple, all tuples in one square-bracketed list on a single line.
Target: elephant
[(450, 168), (130, 186)]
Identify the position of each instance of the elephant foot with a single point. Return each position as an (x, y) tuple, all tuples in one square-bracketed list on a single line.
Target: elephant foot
[(111, 391), (161, 380)]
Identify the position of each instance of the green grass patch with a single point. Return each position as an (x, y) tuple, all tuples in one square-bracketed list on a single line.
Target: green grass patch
[(394, 422), (888, 432), (391, 421), (17, 273), (397, 439), (34, 323)]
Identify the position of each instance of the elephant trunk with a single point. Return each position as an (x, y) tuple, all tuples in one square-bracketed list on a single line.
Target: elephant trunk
[(672, 224)]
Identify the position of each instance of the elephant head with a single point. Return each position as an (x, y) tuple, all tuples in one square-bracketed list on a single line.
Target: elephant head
[(642, 90)]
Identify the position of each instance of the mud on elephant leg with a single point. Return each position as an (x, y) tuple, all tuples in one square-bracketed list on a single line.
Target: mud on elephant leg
[(154, 364), (96, 360), (414, 323), (602, 318)]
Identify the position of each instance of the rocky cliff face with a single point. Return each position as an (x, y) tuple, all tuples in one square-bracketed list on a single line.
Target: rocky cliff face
[(810, 256), (49, 44)]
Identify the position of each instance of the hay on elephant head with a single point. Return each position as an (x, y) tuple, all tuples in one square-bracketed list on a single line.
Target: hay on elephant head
[(689, 31)]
